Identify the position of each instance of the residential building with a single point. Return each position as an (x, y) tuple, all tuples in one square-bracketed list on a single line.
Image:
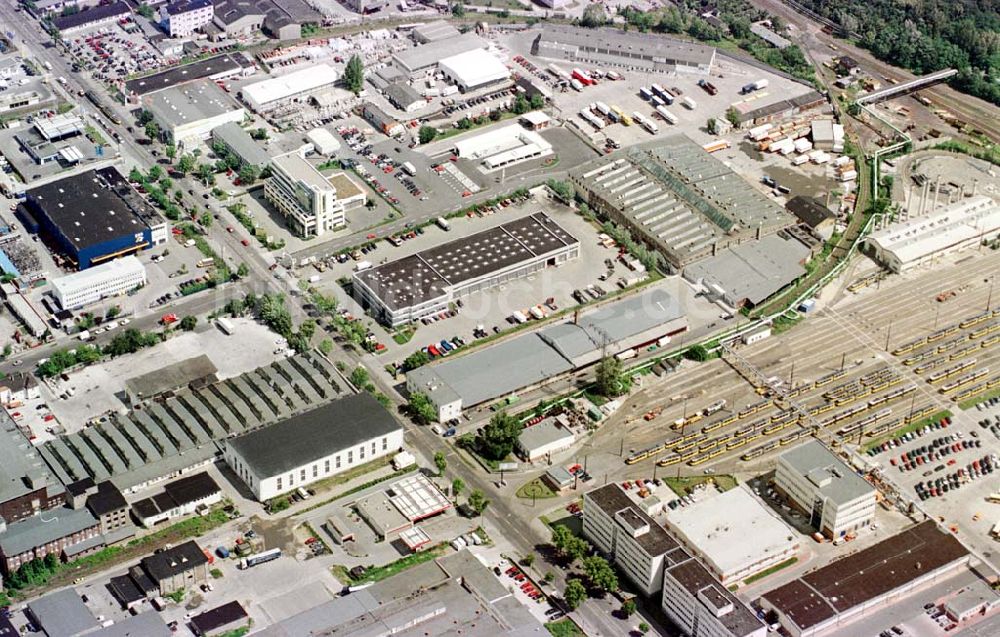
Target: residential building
[(307, 200), (181, 18), (112, 278), (836, 500), (181, 497), (18, 386), (957, 226), (314, 445), (181, 566), (188, 113)]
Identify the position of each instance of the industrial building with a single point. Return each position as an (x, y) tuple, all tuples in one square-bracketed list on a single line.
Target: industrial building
[(187, 114), (652, 560), (434, 31), (837, 500), (184, 432), (957, 226), (630, 50), (814, 213), (323, 142), (72, 23), (53, 139), (678, 199), (750, 112), (422, 59), (747, 274), (310, 203), (95, 216), (382, 121), (181, 497), (219, 67), (286, 90), (221, 620), (112, 278), (313, 445), (829, 597), (733, 534), (62, 613), (473, 70), (545, 438), (237, 141), (194, 372), (181, 18), (410, 288), (181, 566), (404, 97), (502, 147), (401, 505), (533, 359)]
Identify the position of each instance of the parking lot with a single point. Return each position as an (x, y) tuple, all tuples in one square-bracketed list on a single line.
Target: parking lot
[(115, 52), (99, 389)]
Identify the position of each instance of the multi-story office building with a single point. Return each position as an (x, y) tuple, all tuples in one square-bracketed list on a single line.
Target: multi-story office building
[(99, 282), (308, 200), (834, 497), (182, 18)]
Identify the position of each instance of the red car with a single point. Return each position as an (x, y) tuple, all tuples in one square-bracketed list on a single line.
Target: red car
[(168, 319), (245, 242)]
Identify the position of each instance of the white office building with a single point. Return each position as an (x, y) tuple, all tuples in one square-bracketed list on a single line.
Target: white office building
[(308, 200), (182, 18), (632, 540), (701, 606), (733, 534), (112, 278), (835, 498), (314, 445), (957, 226)]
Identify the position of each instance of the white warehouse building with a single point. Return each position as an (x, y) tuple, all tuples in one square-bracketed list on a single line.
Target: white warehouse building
[(957, 226), (836, 500), (284, 90), (474, 69), (112, 278), (314, 445), (504, 146), (187, 113)]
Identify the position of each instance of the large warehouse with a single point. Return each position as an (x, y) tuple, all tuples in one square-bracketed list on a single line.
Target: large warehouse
[(187, 113), (214, 68), (99, 282), (424, 58), (830, 596), (733, 534), (960, 225), (95, 216), (533, 359), (314, 445), (284, 90), (679, 199), (425, 283), (474, 69), (629, 50)]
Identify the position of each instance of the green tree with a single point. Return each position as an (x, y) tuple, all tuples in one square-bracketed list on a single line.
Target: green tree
[(528, 560), (185, 164), (609, 377), (575, 592), (643, 628), (733, 116), (154, 173), (593, 16), (562, 189), (248, 174), (259, 134), (628, 607), (440, 462), (421, 409), (521, 105), (145, 117), (170, 151), (457, 486), (242, 271), (146, 11), (600, 573), (188, 323), (427, 134), (359, 377), (561, 536), (712, 126), (152, 130), (308, 329), (326, 346), (458, 10), (698, 353), (537, 101), (354, 74), (478, 502), (499, 435), (206, 219), (415, 360), (576, 548), (206, 174)]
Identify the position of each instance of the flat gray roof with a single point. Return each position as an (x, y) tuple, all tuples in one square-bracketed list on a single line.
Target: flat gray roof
[(315, 434), (427, 55), (543, 433), (63, 614), (148, 624), (628, 44), (434, 31), (171, 377), (239, 141), (22, 469), (44, 528), (832, 476), (191, 102), (533, 358), (754, 270)]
